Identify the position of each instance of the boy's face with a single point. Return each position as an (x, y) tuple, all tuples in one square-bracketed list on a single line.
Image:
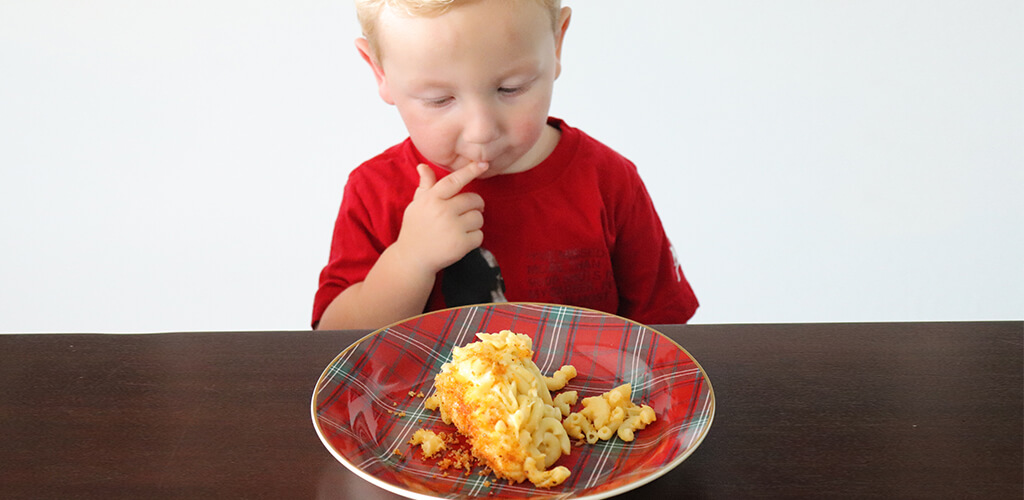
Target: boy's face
[(473, 84)]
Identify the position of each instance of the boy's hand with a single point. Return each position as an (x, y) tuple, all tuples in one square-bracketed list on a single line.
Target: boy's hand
[(442, 224)]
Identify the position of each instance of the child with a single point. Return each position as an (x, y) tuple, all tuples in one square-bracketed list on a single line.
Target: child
[(488, 188)]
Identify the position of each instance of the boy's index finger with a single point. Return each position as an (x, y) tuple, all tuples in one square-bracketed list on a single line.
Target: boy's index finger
[(452, 183)]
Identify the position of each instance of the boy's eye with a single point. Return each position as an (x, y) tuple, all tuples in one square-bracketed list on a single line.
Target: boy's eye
[(438, 102), (511, 91)]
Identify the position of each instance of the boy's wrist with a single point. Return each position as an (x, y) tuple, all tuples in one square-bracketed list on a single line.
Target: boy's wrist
[(409, 262)]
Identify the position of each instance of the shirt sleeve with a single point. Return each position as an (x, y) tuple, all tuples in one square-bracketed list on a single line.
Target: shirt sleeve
[(651, 283), (362, 231)]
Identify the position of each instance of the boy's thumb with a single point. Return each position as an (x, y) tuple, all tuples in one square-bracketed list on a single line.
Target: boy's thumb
[(427, 177)]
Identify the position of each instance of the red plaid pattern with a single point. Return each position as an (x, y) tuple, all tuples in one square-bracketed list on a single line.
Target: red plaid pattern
[(362, 410)]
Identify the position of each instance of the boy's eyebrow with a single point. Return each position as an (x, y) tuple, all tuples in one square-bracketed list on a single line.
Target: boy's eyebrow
[(525, 76), (530, 67), (429, 84)]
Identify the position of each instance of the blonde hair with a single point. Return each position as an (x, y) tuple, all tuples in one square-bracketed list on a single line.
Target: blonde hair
[(369, 11)]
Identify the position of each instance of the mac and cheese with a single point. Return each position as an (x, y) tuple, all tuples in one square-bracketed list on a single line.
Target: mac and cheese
[(611, 413), (496, 396)]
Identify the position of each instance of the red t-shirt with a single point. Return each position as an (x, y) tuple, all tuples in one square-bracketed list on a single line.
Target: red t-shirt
[(577, 229)]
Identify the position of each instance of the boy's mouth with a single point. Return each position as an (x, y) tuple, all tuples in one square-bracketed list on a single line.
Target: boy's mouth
[(478, 158)]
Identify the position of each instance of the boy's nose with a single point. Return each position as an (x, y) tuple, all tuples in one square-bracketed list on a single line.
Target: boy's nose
[(481, 126)]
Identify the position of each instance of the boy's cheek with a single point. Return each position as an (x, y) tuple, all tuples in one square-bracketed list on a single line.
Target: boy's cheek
[(529, 128), (420, 129)]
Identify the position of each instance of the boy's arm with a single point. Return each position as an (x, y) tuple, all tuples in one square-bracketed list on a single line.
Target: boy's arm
[(395, 288), (439, 226)]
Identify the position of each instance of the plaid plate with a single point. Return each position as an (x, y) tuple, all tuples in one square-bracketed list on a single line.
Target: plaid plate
[(363, 412)]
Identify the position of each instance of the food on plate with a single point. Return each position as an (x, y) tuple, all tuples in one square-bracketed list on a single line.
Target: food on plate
[(496, 396), (428, 441), (611, 413)]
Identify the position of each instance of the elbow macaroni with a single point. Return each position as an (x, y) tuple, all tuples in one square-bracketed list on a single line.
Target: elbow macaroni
[(561, 377), (564, 402), (611, 413)]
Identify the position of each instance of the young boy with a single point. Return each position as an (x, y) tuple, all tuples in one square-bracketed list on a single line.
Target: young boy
[(488, 189)]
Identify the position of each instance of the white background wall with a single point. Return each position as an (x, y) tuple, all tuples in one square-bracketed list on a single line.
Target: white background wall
[(177, 165)]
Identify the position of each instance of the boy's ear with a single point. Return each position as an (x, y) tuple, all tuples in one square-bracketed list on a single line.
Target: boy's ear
[(363, 46), (563, 26)]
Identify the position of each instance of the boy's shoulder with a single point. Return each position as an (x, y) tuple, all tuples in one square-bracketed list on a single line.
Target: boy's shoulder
[(591, 153), (392, 165), (397, 156), (383, 182)]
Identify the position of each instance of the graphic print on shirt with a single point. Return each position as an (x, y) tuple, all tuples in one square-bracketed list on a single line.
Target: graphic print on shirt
[(577, 276), (675, 263), (474, 279)]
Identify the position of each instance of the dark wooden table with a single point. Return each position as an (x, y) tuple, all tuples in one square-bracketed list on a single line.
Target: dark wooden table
[(894, 410)]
